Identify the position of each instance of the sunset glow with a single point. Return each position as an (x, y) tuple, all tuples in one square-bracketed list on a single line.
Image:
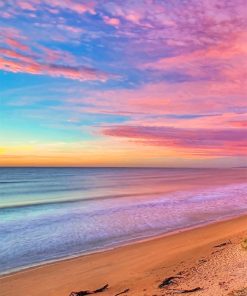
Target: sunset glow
[(123, 83)]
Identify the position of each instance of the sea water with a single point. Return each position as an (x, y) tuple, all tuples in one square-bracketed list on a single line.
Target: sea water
[(48, 214)]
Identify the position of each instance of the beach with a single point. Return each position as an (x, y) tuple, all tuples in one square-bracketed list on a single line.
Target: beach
[(208, 258)]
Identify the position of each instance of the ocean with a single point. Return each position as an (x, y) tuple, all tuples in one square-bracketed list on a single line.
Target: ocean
[(47, 214)]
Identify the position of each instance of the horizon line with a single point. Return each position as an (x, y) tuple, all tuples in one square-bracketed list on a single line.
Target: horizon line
[(128, 167)]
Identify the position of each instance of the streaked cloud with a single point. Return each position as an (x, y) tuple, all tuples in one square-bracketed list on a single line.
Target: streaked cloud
[(220, 142), (24, 64)]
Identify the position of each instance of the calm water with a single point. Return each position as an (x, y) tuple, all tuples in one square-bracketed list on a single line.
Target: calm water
[(52, 213)]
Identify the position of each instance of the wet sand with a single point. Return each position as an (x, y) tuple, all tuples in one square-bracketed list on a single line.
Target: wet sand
[(196, 257)]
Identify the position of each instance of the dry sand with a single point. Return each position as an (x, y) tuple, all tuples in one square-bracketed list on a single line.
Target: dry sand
[(191, 255)]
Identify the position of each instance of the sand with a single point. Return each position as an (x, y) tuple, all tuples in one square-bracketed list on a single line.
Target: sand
[(192, 255)]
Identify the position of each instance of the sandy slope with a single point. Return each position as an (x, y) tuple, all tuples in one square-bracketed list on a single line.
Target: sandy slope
[(191, 255)]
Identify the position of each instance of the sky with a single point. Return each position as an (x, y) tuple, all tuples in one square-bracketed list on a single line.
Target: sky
[(123, 83)]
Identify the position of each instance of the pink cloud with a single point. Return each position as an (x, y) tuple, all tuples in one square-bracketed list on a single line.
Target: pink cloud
[(23, 64), (80, 7), (226, 60), (41, 60), (15, 55), (71, 29), (9, 32), (223, 142), (115, 22), (133, 16), (57, 56), (238, 123), (19, 67), (170, 98), (16, 44), (27, 5), (76, 73)]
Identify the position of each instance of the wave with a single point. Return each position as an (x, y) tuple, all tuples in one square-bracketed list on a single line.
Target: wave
[(16, 182), (75, 200), (34, 237)]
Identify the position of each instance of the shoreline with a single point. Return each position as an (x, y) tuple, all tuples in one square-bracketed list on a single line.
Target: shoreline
[(131, 242), (121, 264)]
